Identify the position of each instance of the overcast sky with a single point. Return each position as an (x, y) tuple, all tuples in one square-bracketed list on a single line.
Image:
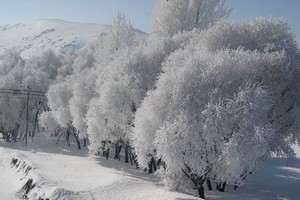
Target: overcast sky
[(137, 11)]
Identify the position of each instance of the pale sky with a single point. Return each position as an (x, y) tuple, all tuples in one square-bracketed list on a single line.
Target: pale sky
[(137, 11)]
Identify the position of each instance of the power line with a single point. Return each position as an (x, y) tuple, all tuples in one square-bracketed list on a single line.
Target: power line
[(20, 90), (13, 97), (23, 94), (14, 93), (20, 97)]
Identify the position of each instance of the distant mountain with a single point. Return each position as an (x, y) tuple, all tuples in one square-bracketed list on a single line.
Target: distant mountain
[(58, 35)]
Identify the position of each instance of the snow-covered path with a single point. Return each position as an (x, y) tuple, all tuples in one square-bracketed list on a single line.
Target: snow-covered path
[(97, 178), (76, 175), (67, 173)]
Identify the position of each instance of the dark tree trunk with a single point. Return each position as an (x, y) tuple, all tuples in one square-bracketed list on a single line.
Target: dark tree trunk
[(6, 136), (126, 154), (84, 142), (208, 182), (153, 163), (76, 137), (37, 126), (218, 186), (135, 161), (103, 148), (15, 133), (68, 136), (201, 191), (197, 180), (221, 186), (117, 151), (150, 169), (235, 187), (222, 189), (15, 136), (120, 148), (159, 161), (78, 142), (107, 153)]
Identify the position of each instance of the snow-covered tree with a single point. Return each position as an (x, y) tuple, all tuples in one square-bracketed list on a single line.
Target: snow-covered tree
[(173, 16), (83, 85), (209, 104), (120, 35), (59, 96), (48, 121), (11, 60), (48, 62), (128, 78), (265, 35), (80, 73)]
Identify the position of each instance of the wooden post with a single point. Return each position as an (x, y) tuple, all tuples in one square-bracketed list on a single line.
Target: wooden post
[(27, 101)]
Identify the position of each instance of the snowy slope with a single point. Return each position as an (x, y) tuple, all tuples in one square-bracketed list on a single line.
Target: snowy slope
[(61, 36)]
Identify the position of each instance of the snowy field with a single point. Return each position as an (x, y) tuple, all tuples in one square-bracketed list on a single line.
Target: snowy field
[(62, 172)]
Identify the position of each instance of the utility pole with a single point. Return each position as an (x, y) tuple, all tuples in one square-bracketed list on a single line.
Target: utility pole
[(27, 101), (23, 94)]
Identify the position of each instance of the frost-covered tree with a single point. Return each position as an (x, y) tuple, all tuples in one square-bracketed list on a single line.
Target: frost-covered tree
[(48, 62), (59, 96), (66, 68), (80, 73), (83, 91), (210, 114), (173, 16), (120, 35), (48, 121), (128, 78), (132, 74), (273, 35), (11, 60)]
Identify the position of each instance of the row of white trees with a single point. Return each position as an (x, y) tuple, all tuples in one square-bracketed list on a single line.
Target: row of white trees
[(222, 104), (208, 99)]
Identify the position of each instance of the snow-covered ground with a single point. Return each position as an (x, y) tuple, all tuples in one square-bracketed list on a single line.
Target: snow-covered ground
[(8, 181), (68, 173), (62, 172)]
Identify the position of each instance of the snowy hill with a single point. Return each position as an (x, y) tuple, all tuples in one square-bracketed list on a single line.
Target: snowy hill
[(61, 36)]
